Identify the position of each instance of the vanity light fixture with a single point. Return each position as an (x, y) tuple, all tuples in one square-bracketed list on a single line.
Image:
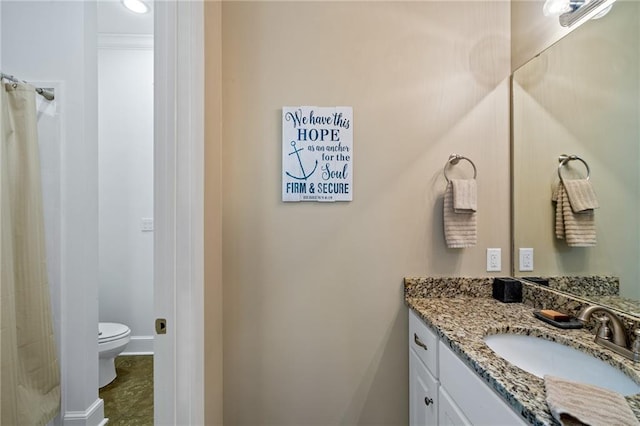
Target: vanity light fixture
[(558, 7), (136, 6), (573, 11)]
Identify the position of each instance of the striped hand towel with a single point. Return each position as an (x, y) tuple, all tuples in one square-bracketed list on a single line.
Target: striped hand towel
[(459, 228), (579, 229), (573, 403), (581, 195), (465, 198)]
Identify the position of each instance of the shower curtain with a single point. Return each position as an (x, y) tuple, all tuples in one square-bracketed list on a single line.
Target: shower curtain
[(29, 371)]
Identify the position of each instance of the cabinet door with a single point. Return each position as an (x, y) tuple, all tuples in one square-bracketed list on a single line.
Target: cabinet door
[(423, 393), (479, 403), (448, 412)]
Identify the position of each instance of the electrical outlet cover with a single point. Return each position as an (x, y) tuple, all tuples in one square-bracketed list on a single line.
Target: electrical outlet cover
[(526, 259), (494, 260)]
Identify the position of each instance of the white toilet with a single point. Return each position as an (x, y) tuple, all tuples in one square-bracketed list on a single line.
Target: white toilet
[(112, 339)]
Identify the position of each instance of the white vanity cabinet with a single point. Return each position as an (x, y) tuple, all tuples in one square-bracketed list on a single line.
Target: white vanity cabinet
[(448, 412), (443, 390), (423, 373)]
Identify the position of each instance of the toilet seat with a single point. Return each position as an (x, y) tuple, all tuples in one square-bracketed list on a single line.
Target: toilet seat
[(110, 331)]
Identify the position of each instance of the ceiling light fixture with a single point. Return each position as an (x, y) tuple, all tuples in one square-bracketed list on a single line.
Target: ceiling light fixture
[(136, 6)]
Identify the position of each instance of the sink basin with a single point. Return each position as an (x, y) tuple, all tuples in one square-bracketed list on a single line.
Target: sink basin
[(539, 357)]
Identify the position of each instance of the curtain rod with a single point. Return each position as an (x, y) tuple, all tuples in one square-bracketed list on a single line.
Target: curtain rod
[(47, 94)]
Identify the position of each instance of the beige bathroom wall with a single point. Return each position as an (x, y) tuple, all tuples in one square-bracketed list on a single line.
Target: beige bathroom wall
[(315, 328), (531, 31), (213, 325)]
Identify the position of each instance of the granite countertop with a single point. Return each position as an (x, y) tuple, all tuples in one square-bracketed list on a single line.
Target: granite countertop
[(462, 322)]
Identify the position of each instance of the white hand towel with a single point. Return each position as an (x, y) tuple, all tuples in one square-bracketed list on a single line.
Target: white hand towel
[(465, 198), (579, 403), (459, 228), (579, 229)]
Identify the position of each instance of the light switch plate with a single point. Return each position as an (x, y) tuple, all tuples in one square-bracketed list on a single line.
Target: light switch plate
[(146, 224)]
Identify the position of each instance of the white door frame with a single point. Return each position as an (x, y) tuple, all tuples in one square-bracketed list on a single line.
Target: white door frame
[(179, 211)]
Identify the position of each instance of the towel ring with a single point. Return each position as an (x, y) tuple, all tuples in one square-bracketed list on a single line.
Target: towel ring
[(455, 159), (564, 159)]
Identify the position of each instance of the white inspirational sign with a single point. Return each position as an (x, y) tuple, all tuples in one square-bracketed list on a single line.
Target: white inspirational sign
[(317, 153)]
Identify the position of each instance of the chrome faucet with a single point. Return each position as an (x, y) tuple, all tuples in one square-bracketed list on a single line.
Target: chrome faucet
[(617, 341)]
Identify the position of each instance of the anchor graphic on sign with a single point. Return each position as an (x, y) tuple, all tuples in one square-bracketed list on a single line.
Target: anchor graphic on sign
[(296, 151)]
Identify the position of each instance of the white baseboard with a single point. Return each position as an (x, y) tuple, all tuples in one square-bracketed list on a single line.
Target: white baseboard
[(139, 345), (92, 416)]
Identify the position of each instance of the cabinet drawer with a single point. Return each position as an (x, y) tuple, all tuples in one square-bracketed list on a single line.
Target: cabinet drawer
[(424, 341), (479, 402)]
